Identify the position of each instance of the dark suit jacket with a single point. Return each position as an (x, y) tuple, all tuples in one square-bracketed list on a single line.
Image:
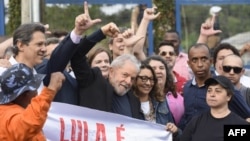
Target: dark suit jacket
[(69, 90), (95, 91)]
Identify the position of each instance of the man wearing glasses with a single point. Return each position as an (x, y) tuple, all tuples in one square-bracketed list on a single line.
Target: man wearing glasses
[(232, 67), (167, 52), (220, 52)]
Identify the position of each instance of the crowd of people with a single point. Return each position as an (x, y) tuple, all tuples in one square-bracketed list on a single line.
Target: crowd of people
[(183, 91)]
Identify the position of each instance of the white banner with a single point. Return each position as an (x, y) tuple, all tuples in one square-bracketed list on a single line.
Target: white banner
[(67, 122)]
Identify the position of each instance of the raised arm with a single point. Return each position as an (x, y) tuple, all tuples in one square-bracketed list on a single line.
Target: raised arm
[(83, 72), (148, 15), (206, 30), (67, 48), (4, 45)]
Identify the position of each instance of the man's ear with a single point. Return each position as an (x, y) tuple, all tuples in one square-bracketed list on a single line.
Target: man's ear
[(20, 45)]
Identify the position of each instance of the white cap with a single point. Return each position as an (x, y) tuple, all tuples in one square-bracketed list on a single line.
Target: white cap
[(215, 9)]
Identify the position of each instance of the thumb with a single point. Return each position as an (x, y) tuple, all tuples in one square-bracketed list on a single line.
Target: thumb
[(217, 31), (95, 21)]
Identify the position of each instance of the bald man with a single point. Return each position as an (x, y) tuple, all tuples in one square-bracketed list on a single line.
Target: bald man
[(233, 69)]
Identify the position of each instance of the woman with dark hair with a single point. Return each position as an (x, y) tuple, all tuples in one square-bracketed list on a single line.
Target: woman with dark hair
[(167, 86), (154, 105)]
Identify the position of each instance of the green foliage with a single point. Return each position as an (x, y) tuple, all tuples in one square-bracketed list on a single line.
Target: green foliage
[(62, 18), (165, 21), (14, 16), (233, 19)]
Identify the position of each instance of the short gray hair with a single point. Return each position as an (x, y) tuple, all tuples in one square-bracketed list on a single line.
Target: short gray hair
[(120, 61)]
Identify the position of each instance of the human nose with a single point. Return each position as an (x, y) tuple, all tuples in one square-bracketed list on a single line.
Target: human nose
[(129, 80), (200, 63), (44, 48)]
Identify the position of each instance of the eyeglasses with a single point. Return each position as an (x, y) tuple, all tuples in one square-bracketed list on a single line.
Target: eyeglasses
[(236, 70), (145, 79), (164, 53)]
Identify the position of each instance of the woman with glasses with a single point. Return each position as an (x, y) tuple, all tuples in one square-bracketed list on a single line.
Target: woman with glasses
[(153, 103), (167, 86)]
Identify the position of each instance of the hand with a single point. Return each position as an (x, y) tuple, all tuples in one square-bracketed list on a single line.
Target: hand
[(248, 120), (46, 26), (83, 21), (245, 48), (5, 63), (130, 39), (171, 127), (149, 13), (110, 30), (56, 81), (207, 28)]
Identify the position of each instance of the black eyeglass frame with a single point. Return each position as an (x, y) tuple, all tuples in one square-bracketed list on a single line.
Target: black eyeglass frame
[(146, 78), (228, 69), (164, 53)]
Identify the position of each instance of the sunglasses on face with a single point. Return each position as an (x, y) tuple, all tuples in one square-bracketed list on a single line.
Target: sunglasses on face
[(228, 69), (164, 53), (145, 79)]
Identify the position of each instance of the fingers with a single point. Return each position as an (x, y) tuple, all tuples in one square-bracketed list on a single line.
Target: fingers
[(86, 9), (95, 21), (130, 40), (171, 127), (151, 13), (5, 63), (56, 81), (213, 19), (217, 31), (110, 30), (127, 33)]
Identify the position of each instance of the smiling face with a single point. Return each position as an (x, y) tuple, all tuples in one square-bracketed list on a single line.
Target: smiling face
[(33, 52), (160, 72), (168, 54), (122, 78), (101, 60), (144, 82), (117, 46)]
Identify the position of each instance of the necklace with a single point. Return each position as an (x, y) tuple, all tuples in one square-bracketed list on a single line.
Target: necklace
[(150, 116)]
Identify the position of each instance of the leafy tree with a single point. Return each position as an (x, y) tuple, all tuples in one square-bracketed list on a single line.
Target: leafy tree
[(165, 21), (14, 15)]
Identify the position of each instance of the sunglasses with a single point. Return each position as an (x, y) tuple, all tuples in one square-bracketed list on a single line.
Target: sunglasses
[(228, 69), (164, 53), (145, 79)]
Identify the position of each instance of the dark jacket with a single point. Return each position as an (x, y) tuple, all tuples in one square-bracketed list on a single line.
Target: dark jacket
[(60, 58), (69, 90), (95, 91)]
